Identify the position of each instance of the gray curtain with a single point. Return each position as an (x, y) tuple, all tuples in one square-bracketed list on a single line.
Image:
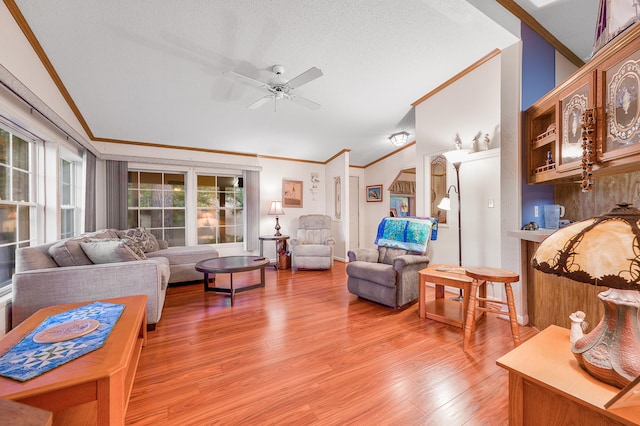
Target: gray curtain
[(90, 192), (117, 182), (252, 208)]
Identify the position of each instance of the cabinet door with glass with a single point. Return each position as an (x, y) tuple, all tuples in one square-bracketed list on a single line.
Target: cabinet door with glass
[(620, 77), (574, 101)]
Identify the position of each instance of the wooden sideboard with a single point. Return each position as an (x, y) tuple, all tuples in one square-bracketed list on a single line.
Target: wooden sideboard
[(548, 387)]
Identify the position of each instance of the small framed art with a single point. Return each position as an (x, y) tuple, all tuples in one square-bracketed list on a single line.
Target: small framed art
[(374, 193), (291, 193)]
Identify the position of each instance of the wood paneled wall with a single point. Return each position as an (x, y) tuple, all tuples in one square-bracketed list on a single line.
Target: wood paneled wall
[(607, 192), (551, 299)]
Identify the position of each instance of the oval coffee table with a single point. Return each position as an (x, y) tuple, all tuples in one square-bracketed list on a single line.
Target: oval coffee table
[(229, 265)]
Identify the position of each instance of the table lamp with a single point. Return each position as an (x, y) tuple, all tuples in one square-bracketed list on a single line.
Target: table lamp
[(276, 209), (603, 251)]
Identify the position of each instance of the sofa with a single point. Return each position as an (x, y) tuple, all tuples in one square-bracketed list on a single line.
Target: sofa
[(100, 265)]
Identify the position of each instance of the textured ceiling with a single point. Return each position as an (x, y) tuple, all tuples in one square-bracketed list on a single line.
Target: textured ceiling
[(153, 72)]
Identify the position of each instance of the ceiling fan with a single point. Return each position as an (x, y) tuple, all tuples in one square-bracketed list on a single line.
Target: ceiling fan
[(279, 88)]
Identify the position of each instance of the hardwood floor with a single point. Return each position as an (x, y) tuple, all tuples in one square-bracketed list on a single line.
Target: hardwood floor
[(303, 350)]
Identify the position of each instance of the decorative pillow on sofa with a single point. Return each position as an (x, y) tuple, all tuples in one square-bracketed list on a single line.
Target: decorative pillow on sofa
[(103, 233), (145, 240), (153, 244), (69, 252), (107, 250)]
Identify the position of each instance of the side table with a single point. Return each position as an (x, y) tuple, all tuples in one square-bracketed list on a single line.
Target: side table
[(442, 309), (281, 245)]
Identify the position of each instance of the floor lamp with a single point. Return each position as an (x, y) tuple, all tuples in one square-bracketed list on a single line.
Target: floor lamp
[(455, 157)]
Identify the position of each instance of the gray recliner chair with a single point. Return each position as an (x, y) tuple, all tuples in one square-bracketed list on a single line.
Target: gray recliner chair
[(313, 246), (386, 275)]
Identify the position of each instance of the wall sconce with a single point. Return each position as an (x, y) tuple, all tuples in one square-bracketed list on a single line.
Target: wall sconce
[(399, 139), (603, 251), (276, 209), (315, 180)]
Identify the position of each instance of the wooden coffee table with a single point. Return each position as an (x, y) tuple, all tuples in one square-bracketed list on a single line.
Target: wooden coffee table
[(103, 378), (230, 265)]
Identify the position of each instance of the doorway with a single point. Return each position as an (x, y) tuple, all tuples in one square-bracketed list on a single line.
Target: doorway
[(354, 212)]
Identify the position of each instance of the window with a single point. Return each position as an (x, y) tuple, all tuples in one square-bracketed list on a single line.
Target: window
[(67, 199), (220, 209), (16, 208), (157, 202)]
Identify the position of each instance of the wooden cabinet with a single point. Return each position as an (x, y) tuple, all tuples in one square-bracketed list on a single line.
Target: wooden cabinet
[(609, 84), (541, 136)]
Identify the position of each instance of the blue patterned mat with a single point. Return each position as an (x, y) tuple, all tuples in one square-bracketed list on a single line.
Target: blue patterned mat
[(28, 359)]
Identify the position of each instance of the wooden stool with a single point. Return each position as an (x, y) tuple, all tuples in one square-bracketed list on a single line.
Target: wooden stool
[(481, 275)]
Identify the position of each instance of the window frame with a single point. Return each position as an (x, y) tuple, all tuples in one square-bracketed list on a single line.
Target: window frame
[(19, 207), (222, 211), (160, 232), (74, 196), (191, 173)]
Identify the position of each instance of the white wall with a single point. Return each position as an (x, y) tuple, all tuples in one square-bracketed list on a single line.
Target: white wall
[(511, 173), (19, 59), (358, 172), (466, 107), (381, 173), (271, 175)]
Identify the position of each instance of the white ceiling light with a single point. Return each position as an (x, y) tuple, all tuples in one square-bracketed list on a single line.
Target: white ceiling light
[(399, 139)]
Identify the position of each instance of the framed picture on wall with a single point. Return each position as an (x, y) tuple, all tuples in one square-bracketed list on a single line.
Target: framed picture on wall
[(291, 193), (374, 193)]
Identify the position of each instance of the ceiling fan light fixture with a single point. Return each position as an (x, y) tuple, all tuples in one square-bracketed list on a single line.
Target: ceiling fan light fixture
[(399, 139), (279, 88)]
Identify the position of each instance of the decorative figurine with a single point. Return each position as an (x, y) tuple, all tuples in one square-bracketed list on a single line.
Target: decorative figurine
[(578, 325)]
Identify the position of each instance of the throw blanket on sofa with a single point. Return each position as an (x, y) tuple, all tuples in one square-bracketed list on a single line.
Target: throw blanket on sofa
[(409, 233)]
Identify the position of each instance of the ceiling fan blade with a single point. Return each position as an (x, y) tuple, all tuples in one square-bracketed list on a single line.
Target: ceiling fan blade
[(247, 80), (260, 102), (305, 102), (307, 76)]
